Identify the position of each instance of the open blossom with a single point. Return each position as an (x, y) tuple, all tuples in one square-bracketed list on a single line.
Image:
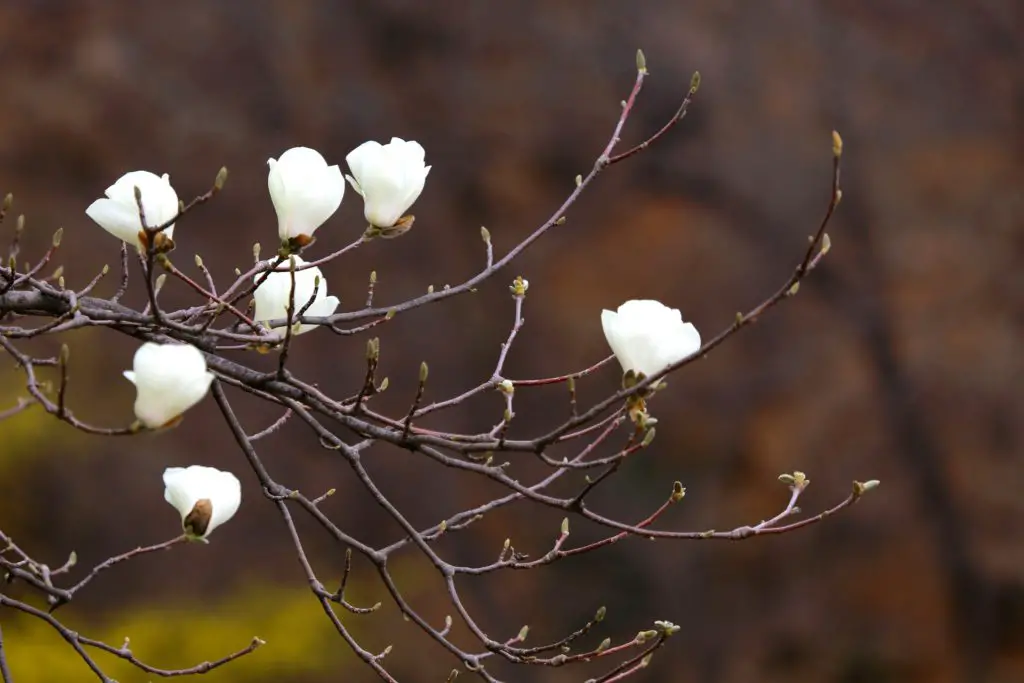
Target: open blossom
[(305, 191), (205, 497), (272, 296), (646, 336), (118, 212), (389, 177), (169, 379)]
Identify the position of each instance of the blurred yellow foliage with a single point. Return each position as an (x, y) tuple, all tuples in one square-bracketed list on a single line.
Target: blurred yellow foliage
[(299, 640)]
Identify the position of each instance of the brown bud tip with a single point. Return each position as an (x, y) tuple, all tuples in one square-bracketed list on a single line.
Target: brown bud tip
[(197, 521), (402, 226), (162, 243), (302, 241)]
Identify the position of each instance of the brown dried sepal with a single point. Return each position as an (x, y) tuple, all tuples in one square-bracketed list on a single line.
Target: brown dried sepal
[(162, 243), (198, 520)]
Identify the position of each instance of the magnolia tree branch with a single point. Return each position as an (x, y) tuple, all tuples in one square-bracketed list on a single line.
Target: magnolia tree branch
[(604, 437)]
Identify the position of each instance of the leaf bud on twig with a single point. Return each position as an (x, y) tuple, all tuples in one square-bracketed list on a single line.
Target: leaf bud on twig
[(222, 177)]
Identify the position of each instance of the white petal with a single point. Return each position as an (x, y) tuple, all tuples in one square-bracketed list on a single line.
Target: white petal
[(119, 212), (272, 296), (117, 219)]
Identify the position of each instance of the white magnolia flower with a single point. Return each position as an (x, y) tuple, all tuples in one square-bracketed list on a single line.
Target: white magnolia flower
[(169, 379), (305, 191), (118, 213), (648, 336), (389, 177), (272, 296), (205, 497)]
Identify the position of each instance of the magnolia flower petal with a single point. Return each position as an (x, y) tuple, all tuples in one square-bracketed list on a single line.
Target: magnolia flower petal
[(119, 220), (176, 491), (322, 307), (358, 160)]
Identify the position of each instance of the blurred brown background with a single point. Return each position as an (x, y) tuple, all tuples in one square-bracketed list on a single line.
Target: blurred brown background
[(899, 359)]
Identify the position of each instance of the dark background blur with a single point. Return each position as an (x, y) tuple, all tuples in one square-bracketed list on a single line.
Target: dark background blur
[(899, 359)]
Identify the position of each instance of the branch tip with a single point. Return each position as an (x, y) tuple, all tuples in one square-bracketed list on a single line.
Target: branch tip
[(222, 177), (641, 62)]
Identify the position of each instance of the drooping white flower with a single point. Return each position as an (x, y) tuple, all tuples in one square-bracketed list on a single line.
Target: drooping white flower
[(647, 336), (305, 191), (272, 295), (205, 497), (169, 379), (118, 213), (389, 177)]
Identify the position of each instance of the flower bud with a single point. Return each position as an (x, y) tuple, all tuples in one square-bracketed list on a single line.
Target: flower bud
[(646, 336), (389, 178), (205, 497), (118, 213), (519, 286), (274, 295), (305, 192), (169, 379)]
